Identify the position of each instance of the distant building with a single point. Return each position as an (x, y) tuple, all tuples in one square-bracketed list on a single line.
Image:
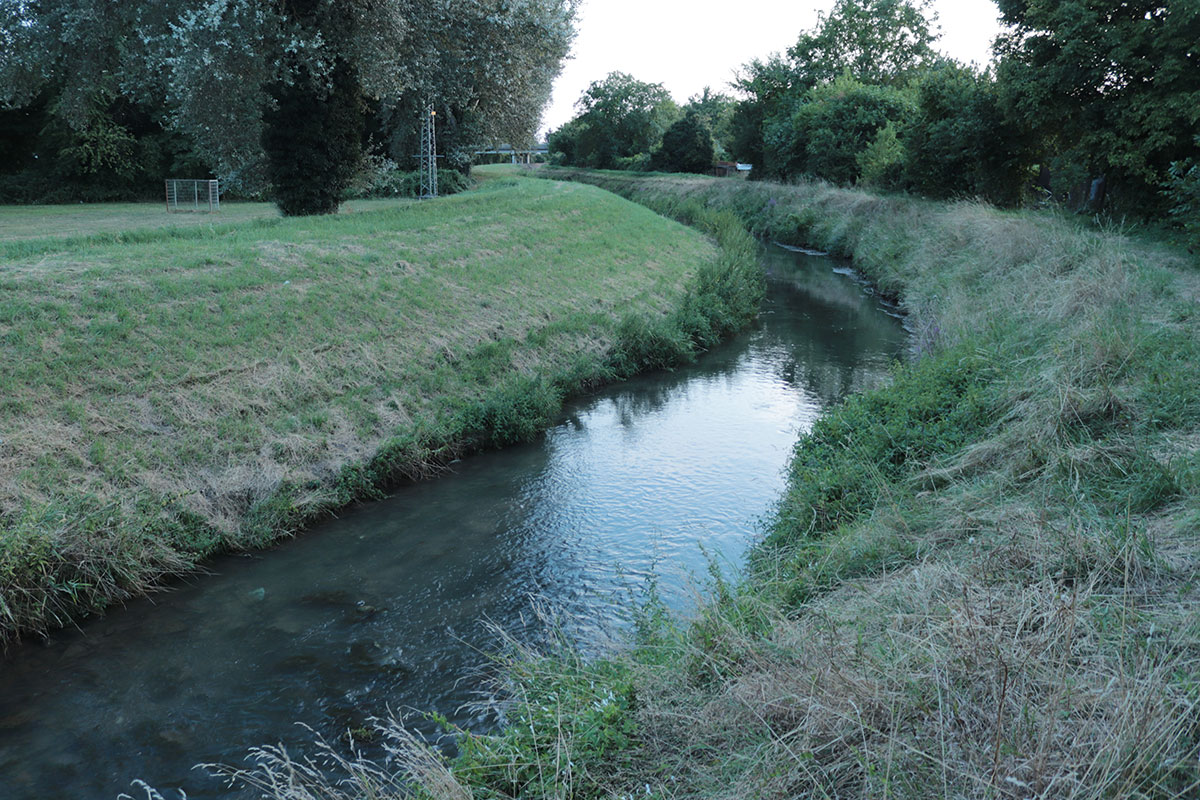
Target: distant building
[(727, 169)]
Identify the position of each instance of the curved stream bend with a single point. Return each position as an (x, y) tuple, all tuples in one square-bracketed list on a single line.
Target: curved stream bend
[(383, 606)]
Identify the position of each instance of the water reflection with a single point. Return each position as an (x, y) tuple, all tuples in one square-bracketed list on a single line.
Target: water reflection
[(384, 606)]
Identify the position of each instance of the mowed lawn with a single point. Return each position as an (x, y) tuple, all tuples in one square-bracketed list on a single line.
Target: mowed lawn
[(155, 393), (24, 223)]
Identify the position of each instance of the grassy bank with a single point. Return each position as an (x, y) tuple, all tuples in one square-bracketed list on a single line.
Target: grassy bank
[(170, 392), (982, 580)]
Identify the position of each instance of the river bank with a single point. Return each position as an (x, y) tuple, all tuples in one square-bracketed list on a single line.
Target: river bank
[(179, 394), (981, 580)]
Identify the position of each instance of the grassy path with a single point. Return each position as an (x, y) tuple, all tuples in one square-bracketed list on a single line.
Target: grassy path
[(173, 393)]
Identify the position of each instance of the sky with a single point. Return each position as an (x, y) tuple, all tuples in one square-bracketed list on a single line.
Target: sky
[(688, 44)]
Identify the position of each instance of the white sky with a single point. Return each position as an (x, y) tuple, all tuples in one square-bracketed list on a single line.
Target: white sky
[(688, 44)]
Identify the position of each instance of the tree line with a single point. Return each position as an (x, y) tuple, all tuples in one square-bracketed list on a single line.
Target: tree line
[(300, 100), (1092, 104)]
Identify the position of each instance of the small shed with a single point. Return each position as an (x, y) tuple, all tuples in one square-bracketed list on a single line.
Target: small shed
[(730, 169)]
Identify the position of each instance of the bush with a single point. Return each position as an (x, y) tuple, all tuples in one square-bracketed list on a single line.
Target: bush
[(882, 164), (1182, 189), (832, 126), (382, 177)]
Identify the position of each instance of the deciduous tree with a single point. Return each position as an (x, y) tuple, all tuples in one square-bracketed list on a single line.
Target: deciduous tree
[(1109, 87)]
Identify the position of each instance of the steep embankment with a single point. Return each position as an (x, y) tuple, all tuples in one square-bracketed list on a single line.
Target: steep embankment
[(982, 579), (172, 393)]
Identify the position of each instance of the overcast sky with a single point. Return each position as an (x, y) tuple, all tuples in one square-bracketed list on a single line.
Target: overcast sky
[(689, 44)]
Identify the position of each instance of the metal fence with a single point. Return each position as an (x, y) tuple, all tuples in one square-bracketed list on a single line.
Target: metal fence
[(192, 195)]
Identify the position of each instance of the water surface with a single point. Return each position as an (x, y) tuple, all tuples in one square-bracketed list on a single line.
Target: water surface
[(385, 605)]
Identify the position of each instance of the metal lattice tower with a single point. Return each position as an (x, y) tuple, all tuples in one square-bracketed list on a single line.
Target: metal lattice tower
[(428, 156)]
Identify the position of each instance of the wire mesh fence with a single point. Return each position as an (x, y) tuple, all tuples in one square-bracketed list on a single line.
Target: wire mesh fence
[(185, 194)]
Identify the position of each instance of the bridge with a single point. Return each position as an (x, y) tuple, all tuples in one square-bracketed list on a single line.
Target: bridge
[(518, 156)]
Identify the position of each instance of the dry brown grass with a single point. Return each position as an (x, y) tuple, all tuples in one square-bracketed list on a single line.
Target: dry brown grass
[(935, 683)]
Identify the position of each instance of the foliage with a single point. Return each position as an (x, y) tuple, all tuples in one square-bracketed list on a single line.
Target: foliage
[(767, 87), (861, 45), (875, 41), (959, 141), (620, 117), (881, 163), (311, 138), (381, 177), (687, 146), (1122, 79), (1182, 190), (716, 111), (210, 72), (839, 122)]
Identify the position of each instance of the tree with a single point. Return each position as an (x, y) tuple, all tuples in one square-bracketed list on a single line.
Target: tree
[(959, 140), (875, 41), (312, 137), (838, 122), (215, 69), (687, 146), (1108, 87), (769, 95), (1182, 191), (716, 112), (620, 119)]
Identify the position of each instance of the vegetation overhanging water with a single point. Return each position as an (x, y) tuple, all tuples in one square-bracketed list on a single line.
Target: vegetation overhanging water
[(385, 606)]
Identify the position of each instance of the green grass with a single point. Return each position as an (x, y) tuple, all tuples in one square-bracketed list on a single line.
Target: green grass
[(19, 223), (168, 393), (981, 581)]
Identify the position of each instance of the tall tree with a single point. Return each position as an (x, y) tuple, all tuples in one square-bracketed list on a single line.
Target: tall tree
[(716, 111), (960, 142), (873, 42), (1109, 87)]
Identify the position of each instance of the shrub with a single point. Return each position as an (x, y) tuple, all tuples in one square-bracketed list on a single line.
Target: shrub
[(833, 125), (1182, 189), (381, 177), (882, 163)]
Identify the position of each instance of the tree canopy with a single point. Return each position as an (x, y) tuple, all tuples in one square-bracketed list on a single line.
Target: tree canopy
[(212, 70), (687, 146), (875, 41), (1107, 87), (621, 118)]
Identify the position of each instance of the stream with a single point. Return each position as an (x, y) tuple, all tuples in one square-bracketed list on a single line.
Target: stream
[(390, 604)]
